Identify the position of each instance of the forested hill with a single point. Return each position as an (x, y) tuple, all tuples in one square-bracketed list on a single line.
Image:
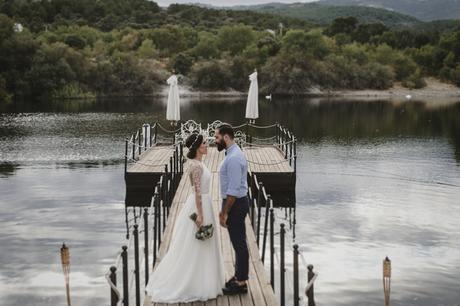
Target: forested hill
[(425, 10), (85, 48), (320, 13), (107, 15)]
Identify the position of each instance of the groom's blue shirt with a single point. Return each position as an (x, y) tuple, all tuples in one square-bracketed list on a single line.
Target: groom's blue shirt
[(233, 173)]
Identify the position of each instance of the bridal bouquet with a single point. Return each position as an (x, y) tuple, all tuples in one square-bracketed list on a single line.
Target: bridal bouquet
[(205, 231)]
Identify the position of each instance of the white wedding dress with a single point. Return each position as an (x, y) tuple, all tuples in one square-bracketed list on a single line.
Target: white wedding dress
[(191, 269)]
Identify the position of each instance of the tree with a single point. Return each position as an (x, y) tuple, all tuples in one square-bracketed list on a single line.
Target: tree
[(235, 38), (346, 25), (365, 32), (206, 47), (181, 63), (147, 49), (75, 41), (169, 40), (210, 75), (6, 27)]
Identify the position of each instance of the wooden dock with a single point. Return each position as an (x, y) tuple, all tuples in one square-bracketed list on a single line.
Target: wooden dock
[(268, 162), (157, 187), (260, 293)]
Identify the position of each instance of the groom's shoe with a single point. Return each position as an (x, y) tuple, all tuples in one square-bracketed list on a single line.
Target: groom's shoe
[(234, 288), (231, 280)]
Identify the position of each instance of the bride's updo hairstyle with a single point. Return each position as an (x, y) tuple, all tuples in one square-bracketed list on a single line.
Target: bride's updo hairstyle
[(193, 142)]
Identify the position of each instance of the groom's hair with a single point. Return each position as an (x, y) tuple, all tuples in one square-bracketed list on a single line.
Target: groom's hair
[(226, 129)]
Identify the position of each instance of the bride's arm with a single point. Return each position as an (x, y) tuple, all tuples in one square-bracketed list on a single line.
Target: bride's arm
[(197, 171)]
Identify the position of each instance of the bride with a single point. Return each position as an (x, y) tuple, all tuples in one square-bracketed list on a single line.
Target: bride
[(192, 269)]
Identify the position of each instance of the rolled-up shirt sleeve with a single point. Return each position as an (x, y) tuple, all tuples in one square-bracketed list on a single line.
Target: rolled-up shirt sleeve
[(235, 173)]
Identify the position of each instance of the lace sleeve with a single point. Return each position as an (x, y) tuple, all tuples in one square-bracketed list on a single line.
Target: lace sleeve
[(195, 176)]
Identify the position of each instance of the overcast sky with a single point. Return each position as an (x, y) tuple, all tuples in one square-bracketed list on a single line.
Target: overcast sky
[(226, 2)]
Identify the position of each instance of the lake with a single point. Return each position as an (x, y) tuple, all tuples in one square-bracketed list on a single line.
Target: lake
[(374, 179)]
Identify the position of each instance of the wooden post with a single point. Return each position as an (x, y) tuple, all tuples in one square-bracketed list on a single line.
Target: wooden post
[(65, 261), (387, 280), (124, 256)]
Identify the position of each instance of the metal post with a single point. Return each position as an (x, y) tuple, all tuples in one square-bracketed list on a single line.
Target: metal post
[(136, 264), (264, 242), (310, 293), (253, 210), (259, 209), (282, 267), (176, 166), (156, 133), (296, 275), (181, 158), (113, 279), (158, 216), (146, 244), (295, 154), (155, 212), (126, 156), (145, 136), (140, 141), (277, 134), (171, 167), (285, 143), (272, 248), (150, 136), (124, 257), (126, 222), (134, 146)]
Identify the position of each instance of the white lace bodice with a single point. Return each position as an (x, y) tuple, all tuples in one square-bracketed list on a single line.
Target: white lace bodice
[(200, 177)]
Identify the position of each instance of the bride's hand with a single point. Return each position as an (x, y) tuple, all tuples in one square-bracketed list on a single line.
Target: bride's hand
[(199, 220)]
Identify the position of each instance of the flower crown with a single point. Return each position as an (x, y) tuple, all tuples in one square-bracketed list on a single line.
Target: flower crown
[(193, 143)]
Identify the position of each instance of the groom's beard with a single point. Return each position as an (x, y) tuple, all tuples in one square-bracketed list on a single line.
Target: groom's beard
[(220, 146)]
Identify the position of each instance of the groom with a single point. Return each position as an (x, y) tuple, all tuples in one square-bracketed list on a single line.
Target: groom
[(235, 205)]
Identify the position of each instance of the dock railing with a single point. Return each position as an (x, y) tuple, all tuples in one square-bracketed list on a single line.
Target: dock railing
[(264, 223), (142, 254), (156, 134)]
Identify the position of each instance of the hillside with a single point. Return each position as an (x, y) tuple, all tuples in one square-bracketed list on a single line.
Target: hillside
[(87, 48), (420, 9), (324, 14)]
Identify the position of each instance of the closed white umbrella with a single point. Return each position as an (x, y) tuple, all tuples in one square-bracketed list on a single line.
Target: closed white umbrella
[(252, 104), (173, 106)]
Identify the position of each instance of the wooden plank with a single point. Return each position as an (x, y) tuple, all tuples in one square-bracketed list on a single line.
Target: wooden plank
[(260, 292), (158, 156)]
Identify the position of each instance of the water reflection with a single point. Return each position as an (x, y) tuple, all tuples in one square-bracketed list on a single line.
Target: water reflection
[(374, 178)]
